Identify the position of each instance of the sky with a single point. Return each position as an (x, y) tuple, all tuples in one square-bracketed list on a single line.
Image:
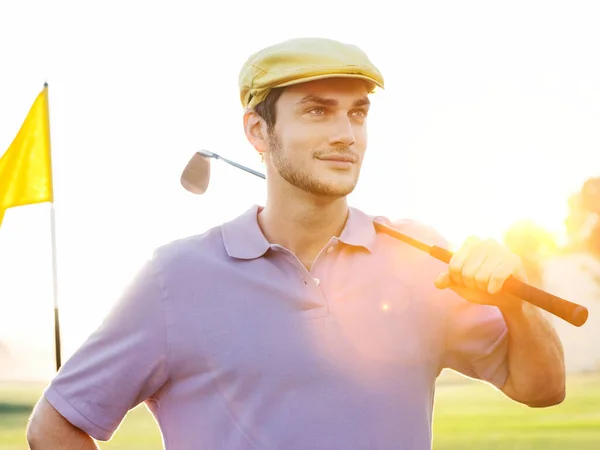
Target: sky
[(490, 115)]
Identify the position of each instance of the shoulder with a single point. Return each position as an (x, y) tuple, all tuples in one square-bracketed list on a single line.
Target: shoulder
[(415, 229), (187, 263), (418, 265), (204, 245)]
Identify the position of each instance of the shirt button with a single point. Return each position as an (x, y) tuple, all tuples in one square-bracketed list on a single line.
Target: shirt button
[(317, 281), (330, 249)]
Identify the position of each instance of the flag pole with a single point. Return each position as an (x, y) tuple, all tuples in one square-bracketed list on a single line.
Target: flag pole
[(55, 285), (53, 234)]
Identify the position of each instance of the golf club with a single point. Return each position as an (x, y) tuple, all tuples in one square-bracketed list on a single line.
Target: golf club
[(196, 177)]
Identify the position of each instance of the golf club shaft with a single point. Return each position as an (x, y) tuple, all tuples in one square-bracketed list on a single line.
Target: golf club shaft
[(572, 313), (239, 166)]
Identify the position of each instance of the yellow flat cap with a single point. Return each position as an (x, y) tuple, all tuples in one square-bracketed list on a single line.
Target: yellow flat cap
[(300, 60)]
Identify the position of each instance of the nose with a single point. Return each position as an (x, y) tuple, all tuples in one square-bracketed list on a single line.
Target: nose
[(343, 133)]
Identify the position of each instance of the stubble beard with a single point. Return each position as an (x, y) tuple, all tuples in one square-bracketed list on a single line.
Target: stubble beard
[(302, 179)]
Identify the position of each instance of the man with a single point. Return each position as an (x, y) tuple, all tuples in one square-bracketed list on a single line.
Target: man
[(296, 325)]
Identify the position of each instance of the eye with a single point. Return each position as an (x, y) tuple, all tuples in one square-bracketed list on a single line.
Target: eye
[(361, 113), (317, 111)]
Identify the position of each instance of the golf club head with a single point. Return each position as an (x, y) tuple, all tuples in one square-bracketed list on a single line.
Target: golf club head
[(207, 153), (196, 174)]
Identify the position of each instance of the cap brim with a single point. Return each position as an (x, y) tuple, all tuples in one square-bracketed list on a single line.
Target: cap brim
[(330, 75)]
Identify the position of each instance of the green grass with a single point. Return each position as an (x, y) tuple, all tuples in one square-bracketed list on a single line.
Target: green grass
[(468, 415), (138, 431), (475, 416)]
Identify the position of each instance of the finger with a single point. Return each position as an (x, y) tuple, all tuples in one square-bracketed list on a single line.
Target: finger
[(487, 268), (442, 280), (457, 261), (500, 274), (477, 257)]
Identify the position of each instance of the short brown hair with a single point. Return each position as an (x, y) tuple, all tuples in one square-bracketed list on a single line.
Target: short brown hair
[(266, 108)]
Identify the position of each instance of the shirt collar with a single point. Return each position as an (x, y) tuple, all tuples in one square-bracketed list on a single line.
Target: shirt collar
[(359, 230), (243, 238)]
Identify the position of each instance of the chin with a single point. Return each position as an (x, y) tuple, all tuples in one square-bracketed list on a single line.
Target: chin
[(336, 188), (325, 184)]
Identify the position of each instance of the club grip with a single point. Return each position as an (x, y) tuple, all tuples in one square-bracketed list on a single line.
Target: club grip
[(571, 312)]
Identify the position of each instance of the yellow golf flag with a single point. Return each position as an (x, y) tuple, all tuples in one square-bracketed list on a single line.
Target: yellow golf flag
[(26, 168)]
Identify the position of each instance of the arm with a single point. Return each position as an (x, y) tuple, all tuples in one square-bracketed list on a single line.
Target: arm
[(47, 429), (535, 358), (536, 373), (121, 364)]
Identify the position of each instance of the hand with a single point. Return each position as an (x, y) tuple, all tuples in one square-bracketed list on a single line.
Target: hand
[(478, 270)]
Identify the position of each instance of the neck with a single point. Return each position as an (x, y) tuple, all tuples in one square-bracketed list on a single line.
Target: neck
[(302, 222)]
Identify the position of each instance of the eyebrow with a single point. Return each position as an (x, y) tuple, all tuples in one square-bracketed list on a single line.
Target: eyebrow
[(364, 101)]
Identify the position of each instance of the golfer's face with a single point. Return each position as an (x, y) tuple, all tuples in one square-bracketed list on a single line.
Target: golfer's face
[(321, 135)]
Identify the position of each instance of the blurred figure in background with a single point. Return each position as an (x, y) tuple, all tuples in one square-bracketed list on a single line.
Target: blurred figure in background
[(575, 275)]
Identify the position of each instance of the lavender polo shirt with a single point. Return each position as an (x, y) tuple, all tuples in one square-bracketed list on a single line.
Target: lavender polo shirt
[(234, 345)]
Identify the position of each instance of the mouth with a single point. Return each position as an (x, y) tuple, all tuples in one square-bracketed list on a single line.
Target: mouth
[(341, 159)]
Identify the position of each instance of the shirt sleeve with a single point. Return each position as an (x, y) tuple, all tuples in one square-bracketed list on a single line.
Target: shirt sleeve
[(476, 340), (121, 364)]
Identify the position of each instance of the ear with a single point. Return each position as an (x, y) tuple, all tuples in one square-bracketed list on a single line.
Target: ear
[(256, 131)]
